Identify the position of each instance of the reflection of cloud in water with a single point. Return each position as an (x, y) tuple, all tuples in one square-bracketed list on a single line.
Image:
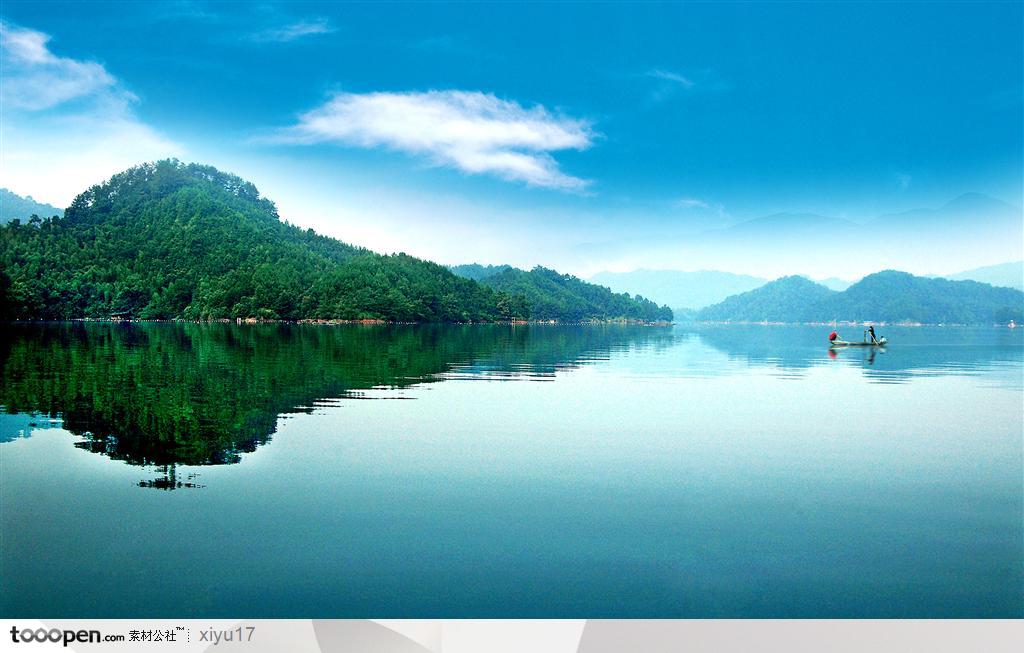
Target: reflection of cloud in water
[(21, 425)]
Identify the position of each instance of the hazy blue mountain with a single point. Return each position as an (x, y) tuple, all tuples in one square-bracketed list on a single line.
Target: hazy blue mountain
[(476, 272), (833, 283), (789, 299), (970, 210), (888, 296), (14, 206), (683, 315), (819, 244), (785, 226), (1007, 275), (677, 288), (970, 231)]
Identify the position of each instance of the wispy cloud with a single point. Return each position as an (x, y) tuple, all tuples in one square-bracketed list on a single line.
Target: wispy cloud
[(701, 206), (470, 131), (691, 202), (669, 76), (176, 10), (667, 83), (68, 123), (35, 78), (294, 31)]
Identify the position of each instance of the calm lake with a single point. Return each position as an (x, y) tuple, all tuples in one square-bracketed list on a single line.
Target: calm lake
[(177, 470)]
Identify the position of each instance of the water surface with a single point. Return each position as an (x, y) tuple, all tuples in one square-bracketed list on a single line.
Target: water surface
[(496, 471)]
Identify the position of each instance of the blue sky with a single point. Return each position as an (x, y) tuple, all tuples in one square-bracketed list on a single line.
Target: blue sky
[(526, 133)]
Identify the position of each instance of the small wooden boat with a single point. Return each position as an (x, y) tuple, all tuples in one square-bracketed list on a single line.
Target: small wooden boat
[(881, 342)]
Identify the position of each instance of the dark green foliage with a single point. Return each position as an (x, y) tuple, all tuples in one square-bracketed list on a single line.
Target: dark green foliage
[(14, 206), (169, 240), (553, 296), (888, 296)]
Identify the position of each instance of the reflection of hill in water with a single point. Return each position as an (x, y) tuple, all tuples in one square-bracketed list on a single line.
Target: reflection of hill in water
[(913, 352), (163, 394)]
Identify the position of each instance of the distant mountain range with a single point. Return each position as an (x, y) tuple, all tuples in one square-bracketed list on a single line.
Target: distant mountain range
[(686, 291), (888, 296), (971, 230), (679, 289), (970, 211), (1008, 275), (966, 212), (14, 206), (550, 295), (783, 225), (832, 283)]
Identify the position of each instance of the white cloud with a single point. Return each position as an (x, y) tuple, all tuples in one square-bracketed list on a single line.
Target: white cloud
[(691, 202), (295, 31), (696, 203), (670, 76), (61, 157), (474, 132), (67, 123), (701, 214), (35, 78)]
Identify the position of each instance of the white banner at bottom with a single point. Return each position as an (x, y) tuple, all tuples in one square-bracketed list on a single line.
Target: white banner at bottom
[(508, 636)]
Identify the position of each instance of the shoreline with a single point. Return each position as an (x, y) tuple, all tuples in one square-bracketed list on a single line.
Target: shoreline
[(340, 322), (855, 324)]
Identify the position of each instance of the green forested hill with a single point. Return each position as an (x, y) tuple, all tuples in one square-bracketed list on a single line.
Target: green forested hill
[(889, 296), (898, 296), (553, 296), (169, 240), (789, 299)]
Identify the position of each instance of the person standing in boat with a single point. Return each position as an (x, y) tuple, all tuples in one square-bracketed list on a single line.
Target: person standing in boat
[(871, 330)]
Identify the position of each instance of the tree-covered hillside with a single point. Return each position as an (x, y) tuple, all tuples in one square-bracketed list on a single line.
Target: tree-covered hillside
[(169, 240), (888, 296), (553, 296), (789, 299), (898, 296)]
